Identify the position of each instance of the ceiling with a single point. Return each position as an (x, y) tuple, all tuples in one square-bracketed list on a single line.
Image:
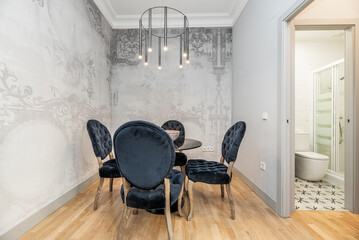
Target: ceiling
[(320, 35), (200, 13)]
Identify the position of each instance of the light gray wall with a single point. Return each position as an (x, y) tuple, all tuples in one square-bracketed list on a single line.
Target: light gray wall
[(255, 89), (255, 80), (54, 76), (199, 95)]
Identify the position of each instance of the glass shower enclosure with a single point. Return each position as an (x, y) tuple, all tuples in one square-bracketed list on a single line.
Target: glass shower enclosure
[(329, 112)]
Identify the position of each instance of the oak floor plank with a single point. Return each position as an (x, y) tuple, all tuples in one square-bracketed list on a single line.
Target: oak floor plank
[(211, 219)]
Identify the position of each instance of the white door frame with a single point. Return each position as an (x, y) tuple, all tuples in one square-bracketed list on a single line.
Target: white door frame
[(285, 178)]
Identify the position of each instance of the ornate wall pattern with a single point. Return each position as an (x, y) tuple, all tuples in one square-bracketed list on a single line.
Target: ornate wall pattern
[(54, 64), (199, 95)]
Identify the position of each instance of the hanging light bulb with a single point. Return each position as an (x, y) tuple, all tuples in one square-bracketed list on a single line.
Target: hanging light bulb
[(159, 54), (149, 30), (180, 52), (146, 53), (187, 45), (140, 40), (165, 48)]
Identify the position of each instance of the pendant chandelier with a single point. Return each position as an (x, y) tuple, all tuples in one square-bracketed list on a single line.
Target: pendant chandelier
[(155, 26)]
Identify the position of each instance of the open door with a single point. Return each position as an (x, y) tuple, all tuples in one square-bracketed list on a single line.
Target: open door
[(349, 120)]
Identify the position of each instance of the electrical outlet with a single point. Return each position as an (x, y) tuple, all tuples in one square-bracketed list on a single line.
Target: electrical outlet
[(265, 116), (208, 149), (262, 166)]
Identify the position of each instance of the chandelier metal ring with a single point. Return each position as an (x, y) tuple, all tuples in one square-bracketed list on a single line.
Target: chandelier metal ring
[(151, 31), (158, 7)]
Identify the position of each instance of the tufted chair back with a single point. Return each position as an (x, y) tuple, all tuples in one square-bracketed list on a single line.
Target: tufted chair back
[(178, 126), (232, 140), (144, 153), (100, 138)]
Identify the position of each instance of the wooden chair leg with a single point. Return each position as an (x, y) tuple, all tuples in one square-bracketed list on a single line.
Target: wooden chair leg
[(168, 209), (231, 203), (98, 193), (183, 169), (179, 206), (135, 211), (190, 195), (121, 232), (111, 184), (222, 191)]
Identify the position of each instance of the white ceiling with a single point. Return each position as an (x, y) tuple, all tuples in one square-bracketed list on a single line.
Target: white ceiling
[(320, 35), (200, 13)]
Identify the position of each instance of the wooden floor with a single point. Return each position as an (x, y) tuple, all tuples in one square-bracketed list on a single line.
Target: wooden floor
[(211, 219)]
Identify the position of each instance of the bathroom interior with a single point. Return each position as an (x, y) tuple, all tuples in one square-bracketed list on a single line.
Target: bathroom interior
[(319, 120)]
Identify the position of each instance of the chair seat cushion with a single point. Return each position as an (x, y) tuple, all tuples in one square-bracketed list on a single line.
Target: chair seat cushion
[(109, 169), (181, 159), (155, 198), (210, 172)]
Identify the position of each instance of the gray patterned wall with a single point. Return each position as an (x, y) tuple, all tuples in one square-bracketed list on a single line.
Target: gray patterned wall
[(54, 76), (199, 95)]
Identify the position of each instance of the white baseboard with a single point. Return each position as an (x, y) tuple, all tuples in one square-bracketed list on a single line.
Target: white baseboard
[(334, 178), (24, 226), (260, 193)]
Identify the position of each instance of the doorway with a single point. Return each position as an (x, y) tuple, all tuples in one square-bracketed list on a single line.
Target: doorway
[(286, 138), (320, 101)]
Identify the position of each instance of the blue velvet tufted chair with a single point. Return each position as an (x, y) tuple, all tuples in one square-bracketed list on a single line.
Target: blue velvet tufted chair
[(102, 147), (181, 158), (145, 155), (212, 172)]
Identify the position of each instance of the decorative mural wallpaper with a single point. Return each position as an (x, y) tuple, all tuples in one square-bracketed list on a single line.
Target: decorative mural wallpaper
[(62, 64), (54, 76), (199, 95)]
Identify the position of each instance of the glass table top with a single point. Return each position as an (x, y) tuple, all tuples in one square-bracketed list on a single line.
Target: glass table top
[(188, 144)]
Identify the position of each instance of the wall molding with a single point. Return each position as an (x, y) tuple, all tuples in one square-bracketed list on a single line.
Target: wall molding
[(259, 192), (31, 221), (225, 19)]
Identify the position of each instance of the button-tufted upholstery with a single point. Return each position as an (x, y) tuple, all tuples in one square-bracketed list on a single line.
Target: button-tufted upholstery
[(176, 125), (109, 169), (210, 172), (231, 141), (181, 158), (214, 172), (100, 138), (102, 146), (155, 198)]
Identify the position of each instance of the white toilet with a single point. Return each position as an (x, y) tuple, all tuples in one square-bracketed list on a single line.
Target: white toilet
[(310, 166)]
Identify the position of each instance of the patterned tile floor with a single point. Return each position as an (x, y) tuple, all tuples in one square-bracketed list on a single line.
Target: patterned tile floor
[(319, 195)]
